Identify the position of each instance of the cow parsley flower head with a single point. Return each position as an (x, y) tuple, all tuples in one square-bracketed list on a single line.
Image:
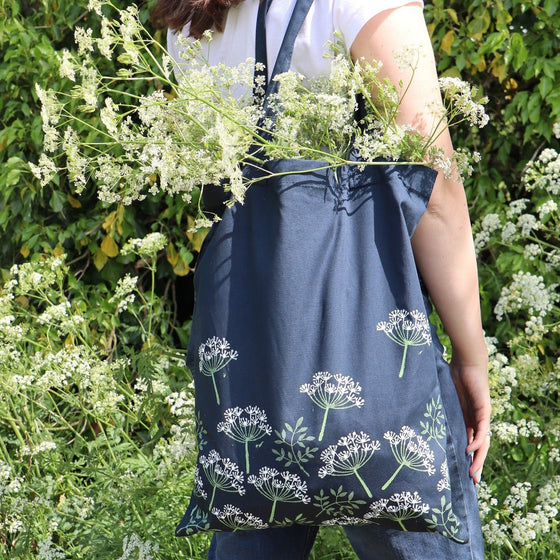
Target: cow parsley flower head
[(95, 6), (67, 66), (146, 246), (460, 94), (84, 40), (45, 171)]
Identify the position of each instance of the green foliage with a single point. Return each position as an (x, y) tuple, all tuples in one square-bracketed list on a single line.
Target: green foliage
[(34, 219), (510, 49)]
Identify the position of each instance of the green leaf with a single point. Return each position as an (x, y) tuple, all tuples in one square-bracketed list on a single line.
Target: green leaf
[(492, 43), (550, 7), (57, 201), (479, 24), (517, 51)]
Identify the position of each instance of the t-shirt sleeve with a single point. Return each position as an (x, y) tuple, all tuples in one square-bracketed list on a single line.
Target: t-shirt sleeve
[(349, 16)]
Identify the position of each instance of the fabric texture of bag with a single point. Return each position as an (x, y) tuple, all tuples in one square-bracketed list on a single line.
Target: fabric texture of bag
[(317, 372)]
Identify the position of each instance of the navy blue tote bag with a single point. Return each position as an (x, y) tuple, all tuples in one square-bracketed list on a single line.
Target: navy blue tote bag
[(321, 394)]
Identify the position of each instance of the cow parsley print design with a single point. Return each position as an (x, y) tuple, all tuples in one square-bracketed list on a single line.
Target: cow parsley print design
[(348, 456), (330, 391), (406, 328), (214, 355)]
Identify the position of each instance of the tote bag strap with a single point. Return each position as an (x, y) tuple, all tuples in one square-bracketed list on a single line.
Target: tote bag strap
[(284, 58)]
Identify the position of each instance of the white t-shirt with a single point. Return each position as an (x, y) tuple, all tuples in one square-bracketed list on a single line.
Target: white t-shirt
[(237, 43)]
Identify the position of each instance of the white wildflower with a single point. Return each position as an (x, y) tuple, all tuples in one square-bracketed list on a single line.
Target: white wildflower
[(518, 497), (531, 251), (146, 246), (84, 40), (45, 171), (489, 224), (554, 455), (54, 313), (527, 223), (67, 66), (495, 533), (76, 162), (547, 208), (526, 292), (526, 526), (529, 429), (534, 327), (42, 447), (134, 548), (124, 292), (509, 232), (505, 432), (516, 207), (408, 56), (460, 94), (109, 116), (88, 88), (48, 551), (95, 6), (50, 106), (106, 42)]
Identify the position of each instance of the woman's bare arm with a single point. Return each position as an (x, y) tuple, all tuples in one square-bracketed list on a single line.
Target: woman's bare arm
[(442, 242)]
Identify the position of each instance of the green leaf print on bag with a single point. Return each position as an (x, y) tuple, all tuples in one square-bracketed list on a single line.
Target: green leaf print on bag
[(214, 355), (357, 450), (434, 427), (198, 521), (411, 451), (279, 487), (221, 473), (400, 507), (336, 502), (414, 331), (294, 439), (339, 394), (443, 521), (236, 520), (245, 425)]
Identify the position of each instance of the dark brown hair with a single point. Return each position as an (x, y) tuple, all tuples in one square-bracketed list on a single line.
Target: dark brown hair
[(200, 14)]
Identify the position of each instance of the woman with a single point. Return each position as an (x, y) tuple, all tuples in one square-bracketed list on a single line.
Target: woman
[(442, 242)]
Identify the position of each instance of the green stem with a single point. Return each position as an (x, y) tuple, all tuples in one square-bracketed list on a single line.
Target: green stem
[(247, 456), (399, 521), (212, 499), (215, 389), (324, 424), (401, 372), (271, 519), (384, 487), (368, 491), (298, 462)]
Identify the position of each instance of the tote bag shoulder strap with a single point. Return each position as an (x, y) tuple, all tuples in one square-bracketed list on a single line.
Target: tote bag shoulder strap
[(284, 58)]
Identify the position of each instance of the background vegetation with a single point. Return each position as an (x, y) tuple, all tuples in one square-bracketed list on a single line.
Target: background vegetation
[(95, 405)]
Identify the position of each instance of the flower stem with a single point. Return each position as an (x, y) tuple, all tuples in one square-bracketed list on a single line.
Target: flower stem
[(247, 468), (271, 519), (368, 491), (384, 487), (401, 372), (212, 499), (215, 388), (324, 424)]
